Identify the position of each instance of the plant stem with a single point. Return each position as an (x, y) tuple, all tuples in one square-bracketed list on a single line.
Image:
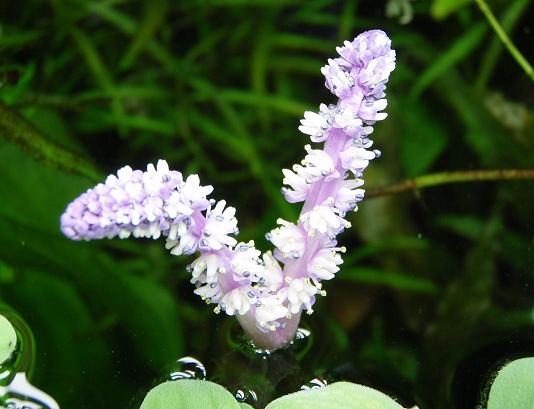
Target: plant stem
[(436, 179), (505, 39)]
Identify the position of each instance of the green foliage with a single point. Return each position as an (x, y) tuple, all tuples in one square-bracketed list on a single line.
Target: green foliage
[(192, 394), (443, 8), (340, 394), (513, 388), (8, 339), (425, 138), (429, 279)]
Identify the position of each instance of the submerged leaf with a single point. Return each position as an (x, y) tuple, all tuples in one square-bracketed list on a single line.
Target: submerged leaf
[(338, 395), (189, 394)]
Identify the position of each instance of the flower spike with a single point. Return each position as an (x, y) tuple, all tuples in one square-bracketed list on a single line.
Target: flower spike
[(267, 293)]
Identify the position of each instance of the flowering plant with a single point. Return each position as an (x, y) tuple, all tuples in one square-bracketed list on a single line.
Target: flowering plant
[(266, 292)]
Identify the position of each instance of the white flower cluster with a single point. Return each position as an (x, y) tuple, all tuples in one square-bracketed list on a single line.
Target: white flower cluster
[(329, 180)]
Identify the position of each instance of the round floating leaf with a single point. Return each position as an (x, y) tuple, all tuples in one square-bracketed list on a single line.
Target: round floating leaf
[(189, 394), (337, 395), (8, 339), (245, 406), (513, 388)]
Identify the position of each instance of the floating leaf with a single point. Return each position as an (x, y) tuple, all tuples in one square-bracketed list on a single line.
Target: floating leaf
[(189, 394), (337, 395), (8, 339), (513, 387)]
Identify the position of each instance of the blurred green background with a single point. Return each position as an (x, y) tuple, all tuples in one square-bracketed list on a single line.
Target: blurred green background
[(437, 287)]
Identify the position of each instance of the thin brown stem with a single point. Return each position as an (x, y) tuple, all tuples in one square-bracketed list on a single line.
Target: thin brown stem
[(436, 179)]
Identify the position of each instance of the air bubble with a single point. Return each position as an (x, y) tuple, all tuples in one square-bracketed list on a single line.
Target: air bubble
[(188, 368), (315, 383), (246, 396)]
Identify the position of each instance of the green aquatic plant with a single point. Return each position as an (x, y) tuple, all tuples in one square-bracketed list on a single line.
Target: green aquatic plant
[(195, 394)]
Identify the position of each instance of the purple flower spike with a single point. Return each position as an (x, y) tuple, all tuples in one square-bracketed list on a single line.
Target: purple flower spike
[(142, 204), (266, 292)]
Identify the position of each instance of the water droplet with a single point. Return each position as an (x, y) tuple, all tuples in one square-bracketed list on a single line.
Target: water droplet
[(187, 368), (246, 396), (302, 334), (20, 394), (302, 342), (315, 383)]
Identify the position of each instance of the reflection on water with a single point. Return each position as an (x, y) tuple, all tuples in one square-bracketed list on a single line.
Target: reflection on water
[(20, 394), (16, 392)]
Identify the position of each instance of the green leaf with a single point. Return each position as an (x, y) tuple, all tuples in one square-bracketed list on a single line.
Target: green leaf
[(460, 49), (424, 139), (337, 395), (154, 17), (513, 387), (189, 394), (62, 324), (15, 129), (8, 339), (393, 279), (153, 320), (443, 8), (245, 406)]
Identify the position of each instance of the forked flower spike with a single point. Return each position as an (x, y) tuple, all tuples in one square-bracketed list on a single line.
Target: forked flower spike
[(266, 292)]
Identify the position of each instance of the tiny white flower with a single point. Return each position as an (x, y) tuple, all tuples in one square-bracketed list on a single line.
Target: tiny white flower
[(289, 239), (270, 309), (318, 164), (370, 110), (210, 263), (192, 193), (337, 80), (272, 274), (299, 293), (356, 159), (209, 292), (246, 262), (299, 185), (220, 222), (174, 206), (238, 301), (125, 174), (324, 264), (180, 239), (323, 219), (349, 195)]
